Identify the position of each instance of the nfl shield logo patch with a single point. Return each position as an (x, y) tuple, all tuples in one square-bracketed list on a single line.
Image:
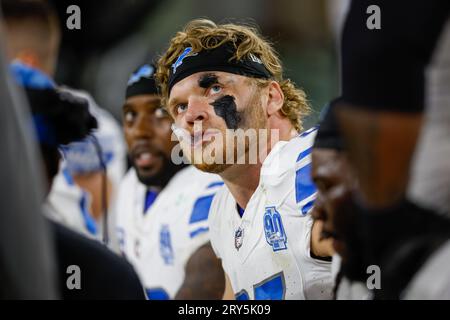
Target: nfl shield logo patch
[(238, 238), (274, 230)]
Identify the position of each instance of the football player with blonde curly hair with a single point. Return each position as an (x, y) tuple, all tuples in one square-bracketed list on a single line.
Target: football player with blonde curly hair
[(222, 80)]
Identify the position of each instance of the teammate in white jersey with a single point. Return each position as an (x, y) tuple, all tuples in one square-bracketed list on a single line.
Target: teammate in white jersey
[(221, 78), (162, 209)]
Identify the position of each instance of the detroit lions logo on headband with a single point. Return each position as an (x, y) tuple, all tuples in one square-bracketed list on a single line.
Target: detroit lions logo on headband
[(186, 53), (146, 71), (221, 59)]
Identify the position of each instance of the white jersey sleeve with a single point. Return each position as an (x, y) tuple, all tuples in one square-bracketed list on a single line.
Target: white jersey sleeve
[(215, 221), (198, 220)]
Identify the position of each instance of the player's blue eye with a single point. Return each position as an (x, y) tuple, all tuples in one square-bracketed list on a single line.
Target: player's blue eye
[(215, 89)]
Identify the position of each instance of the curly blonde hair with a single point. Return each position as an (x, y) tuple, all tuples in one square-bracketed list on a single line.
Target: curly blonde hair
[(201, 34)]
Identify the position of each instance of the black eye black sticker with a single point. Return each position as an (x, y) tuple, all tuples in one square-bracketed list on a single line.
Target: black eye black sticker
[(207, 80), (225, 107)]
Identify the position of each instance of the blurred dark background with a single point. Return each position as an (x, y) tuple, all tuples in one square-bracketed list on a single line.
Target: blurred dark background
[(117, 35)]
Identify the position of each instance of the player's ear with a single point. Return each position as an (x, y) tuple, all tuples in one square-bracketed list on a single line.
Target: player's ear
[(275, 98)]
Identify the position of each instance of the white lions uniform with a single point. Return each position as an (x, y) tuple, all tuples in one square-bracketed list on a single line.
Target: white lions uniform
[(266, 253), (160, 241), (69, 205)]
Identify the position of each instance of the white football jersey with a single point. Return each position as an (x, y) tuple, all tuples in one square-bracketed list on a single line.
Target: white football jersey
[(69, 205), (266, 253), (160, 241)]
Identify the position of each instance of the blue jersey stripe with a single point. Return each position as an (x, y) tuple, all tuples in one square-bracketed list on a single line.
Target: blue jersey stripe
[(157, 294), (201, 209), (198, 231), (89, 222), (68, 177), (304, 153), (304, 187), (308, 206), (307, 132), (214, 184)]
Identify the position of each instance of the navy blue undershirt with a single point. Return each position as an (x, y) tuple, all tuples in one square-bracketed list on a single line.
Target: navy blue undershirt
[(240, 210), (150, 197)]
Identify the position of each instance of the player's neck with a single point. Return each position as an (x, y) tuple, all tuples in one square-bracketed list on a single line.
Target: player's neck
[(242, 181)]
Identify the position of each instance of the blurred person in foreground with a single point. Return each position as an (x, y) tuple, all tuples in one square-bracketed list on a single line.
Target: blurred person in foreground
[(395, 82), (60, 118), (332, 174), (79, 197), (26, 273)]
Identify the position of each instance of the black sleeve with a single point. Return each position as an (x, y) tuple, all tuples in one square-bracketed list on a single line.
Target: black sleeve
[(385, 68), (104, 275)]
